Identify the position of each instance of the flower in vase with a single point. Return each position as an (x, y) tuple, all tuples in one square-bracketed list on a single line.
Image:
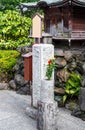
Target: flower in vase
[(50, 68)]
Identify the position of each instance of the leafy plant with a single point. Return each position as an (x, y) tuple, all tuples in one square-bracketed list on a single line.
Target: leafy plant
[(50, 67), (72, 86), (8, 59), (14, 29)]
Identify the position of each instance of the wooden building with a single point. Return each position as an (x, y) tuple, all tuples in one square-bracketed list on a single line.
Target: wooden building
[(64, 19)]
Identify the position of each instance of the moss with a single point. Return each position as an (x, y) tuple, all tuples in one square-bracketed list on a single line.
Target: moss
[(8, 59)]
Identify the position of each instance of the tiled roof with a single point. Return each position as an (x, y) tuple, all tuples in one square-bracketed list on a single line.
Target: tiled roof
[(56, 1), (81, 0), (53, 3)]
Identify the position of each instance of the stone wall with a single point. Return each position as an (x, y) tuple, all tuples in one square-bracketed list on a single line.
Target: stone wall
[(67, 61), (18, 83)]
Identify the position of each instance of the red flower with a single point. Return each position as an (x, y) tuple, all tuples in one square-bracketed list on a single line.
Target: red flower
[(49, 62)]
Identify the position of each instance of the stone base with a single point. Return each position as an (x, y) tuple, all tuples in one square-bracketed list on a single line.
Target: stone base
[(64, 119), (46, 118), (31, 112)]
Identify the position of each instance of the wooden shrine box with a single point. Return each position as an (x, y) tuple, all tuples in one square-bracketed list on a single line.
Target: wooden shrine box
[(37, 26), (28, 66)]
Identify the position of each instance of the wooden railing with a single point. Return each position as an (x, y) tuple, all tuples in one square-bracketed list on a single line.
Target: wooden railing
[(78, 34), (72, 35)]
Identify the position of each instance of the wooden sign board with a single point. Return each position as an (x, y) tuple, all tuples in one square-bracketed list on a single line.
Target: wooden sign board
[(37, 26)]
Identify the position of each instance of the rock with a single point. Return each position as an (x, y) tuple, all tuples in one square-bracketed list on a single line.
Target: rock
[(63, 74), (20, 60), (22, 72), (60, 84), (18, 87), (24, 49), (16, 67), (24, 90), (82, 58), (79, 68), (84, 67), (71, 105), (59, 52), (60, 91), (76, 54), (19, 79), (78, 113), (83, 81), (60, 61), (4, 86), (82, 99), (72, 66), (21, 64), (68, 55), (12, 84), (70, 60), (59, 98)]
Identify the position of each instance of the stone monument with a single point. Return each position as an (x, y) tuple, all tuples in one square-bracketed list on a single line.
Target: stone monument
[(43, 89), (41, 54)]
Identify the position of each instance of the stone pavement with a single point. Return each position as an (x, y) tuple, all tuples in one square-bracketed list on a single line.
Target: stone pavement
[(12, 112), (14, 117), (67, 122)]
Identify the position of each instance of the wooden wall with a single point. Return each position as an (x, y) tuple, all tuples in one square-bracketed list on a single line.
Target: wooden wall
[(58, 17), (65, 20), (78, 19)]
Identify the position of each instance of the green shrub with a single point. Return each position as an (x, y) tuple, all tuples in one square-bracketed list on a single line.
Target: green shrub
[(7, 61), (72, 86), (14, 29)]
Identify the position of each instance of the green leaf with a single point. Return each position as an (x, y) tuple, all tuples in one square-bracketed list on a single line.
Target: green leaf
[(73, 85), (71, 82), (72, 91), (64, 98), (15, 28), (67, 91)]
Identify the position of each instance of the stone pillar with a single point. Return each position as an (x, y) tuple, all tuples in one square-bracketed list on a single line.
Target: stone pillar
[(47, 108), (41, 54), (47, 91)]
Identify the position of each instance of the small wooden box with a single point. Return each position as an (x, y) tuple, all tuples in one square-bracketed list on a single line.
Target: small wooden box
[(28, 66)]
